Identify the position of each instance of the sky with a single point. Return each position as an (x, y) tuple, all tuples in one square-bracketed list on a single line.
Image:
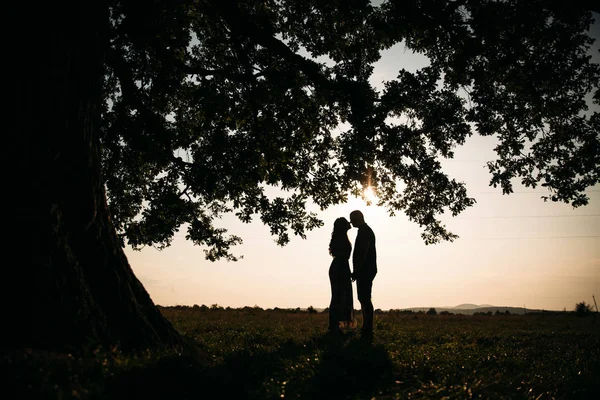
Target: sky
[(513, 250)]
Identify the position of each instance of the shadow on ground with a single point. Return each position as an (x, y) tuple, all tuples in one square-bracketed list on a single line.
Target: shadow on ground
[(357, 368), (350, 367)]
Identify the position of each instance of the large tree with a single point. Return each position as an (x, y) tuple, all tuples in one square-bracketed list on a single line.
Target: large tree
[(185, 110)]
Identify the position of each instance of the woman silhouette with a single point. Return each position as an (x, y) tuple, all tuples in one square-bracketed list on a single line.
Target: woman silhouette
[(341, 308)]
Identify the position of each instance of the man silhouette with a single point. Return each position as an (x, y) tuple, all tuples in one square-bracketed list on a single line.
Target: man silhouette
[(364, 267)]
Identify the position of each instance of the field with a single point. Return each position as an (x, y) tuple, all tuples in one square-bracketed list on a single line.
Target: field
[(256, 354)]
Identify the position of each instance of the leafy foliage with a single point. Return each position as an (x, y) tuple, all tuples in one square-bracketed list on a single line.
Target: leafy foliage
[(211, 104), (583, 309), (432, 311)]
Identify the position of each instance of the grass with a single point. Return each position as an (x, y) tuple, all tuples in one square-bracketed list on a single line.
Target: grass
[(258, 354)]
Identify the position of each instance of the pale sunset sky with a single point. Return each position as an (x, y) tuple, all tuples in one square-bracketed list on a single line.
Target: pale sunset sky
[(513, 250)]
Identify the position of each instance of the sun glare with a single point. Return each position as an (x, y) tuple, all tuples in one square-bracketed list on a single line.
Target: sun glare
[(370, 195)]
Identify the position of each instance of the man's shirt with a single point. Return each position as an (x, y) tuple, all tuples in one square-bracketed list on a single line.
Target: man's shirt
[(364, 258)]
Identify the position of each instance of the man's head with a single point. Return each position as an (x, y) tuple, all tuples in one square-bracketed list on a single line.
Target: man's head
[(357, 219)]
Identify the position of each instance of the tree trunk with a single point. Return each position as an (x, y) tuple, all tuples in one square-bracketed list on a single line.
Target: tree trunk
[(73, 283)]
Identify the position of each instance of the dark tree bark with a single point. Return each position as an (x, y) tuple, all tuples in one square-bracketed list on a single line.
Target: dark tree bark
[(72, 284)]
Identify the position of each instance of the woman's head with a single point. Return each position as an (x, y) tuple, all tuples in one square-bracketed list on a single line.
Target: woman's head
[(339, 243), (341, 225)]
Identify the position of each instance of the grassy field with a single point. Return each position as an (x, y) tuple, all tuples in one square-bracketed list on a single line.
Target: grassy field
[(259, 354)]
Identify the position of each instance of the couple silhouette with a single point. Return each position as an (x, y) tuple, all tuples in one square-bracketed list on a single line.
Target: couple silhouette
[(364, 269)]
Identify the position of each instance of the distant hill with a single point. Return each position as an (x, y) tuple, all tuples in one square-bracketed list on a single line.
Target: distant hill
[(470, 309), (466, 306)]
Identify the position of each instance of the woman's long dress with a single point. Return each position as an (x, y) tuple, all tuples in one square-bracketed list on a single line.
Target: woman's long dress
[(341, 306)]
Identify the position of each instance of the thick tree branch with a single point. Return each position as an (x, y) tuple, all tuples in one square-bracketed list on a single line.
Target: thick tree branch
[(123, 73), (137, 100), (230, 13)]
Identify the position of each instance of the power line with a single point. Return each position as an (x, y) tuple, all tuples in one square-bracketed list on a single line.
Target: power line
[(534, 237), (463, 238), (467, 238), (529, 216), (528, 192)]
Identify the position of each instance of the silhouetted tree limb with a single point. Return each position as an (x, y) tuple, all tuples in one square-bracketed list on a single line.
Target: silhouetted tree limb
[(500, 53)]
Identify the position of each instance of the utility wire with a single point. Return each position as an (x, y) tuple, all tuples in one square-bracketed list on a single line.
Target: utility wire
[(533, 237), (529, 216), (527, 192), (396, 239)]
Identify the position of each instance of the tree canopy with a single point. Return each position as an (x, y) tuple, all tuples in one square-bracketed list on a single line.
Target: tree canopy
[(209, 102)]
